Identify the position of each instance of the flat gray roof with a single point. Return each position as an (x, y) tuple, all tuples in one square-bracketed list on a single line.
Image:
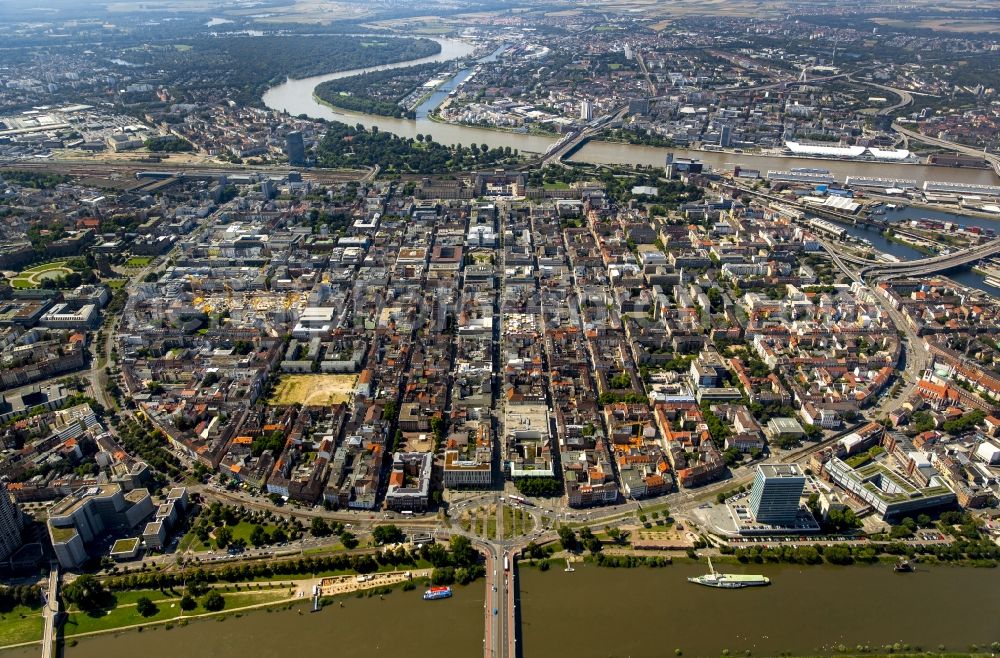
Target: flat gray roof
[(780, 470)]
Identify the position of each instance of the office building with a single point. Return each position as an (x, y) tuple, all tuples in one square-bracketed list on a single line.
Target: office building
[(586, 110), (91, 513), (475, 471), (72, 315), (774, 498), (410, 482), (678, 167), (638, 106), (725, 136), (295, 148), (10, 525), (888, 492)]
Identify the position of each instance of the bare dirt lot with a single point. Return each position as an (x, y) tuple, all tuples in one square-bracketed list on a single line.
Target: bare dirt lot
[(313, 390)]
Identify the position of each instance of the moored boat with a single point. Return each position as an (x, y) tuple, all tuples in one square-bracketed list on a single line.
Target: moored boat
[(435, 593), (729, 580)]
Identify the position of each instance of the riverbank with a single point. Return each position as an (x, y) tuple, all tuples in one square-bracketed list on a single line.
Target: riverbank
[(891, 237), (933, 207), (538, 132), (357, 627), (348, 111), (125, 617), (247, 596)]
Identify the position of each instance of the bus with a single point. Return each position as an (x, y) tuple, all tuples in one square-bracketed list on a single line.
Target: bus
[(506, 562), (522, 500)]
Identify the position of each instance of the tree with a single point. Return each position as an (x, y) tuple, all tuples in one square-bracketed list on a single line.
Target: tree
[(258, 536), (168, 144), (839, 520), (437, 428), (388, 534), (213, 601), (229, 516), (965, 423), (348, 540), (538, 486), (188, 603), (87, 593), (838, 554), (534, 551), (901, 531), (568, 538), (145, 607), (223, 537), (462, 551), (465, 575), (443, 576), (436, 555)]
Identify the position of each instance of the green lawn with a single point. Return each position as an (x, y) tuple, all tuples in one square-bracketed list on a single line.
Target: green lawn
[(34, 276), (129, 598), (138, 261), (491, 526), (508, 522), (21, 625), (115, 284), (322, 550), (241, 530), (168, 608), (46, 267), (191, 542)]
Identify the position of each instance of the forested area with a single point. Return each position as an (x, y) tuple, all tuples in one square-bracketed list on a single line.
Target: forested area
[(378, 92), (355, 146), (244, 67)]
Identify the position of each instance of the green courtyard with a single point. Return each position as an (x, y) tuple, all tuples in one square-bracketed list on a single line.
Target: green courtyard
[(34, 277)]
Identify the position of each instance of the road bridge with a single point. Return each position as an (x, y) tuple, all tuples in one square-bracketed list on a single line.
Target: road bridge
[(573, 141), (921, 267), (991, 158), (50, 612)]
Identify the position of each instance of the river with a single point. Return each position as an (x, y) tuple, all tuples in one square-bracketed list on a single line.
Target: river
[(296, 97), (613, 153), (439, 95), (964, 276), (597, 612), (808, 610)]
